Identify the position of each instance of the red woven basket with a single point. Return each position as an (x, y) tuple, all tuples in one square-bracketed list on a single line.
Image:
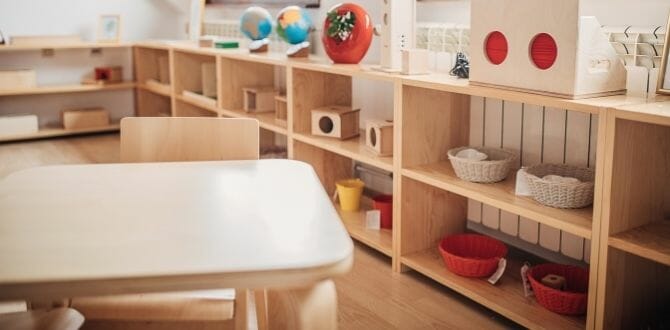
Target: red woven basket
[(472, 255), (573, 300)]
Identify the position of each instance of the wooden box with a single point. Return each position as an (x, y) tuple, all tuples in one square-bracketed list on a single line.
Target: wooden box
[(18, 125), (281, 109), (85, 118), (379, 137), (17, 79), (209, 79), (336, 121), (543, 47), (163, 63), (109, 75), (259, 99)]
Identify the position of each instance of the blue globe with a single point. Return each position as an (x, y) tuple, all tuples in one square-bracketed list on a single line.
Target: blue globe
[(293, 25), (256, 23)]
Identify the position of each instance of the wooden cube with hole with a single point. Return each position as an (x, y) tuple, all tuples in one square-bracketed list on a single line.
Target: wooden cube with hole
[(259, 99), (281, 109), (336, 121), (379, 136)]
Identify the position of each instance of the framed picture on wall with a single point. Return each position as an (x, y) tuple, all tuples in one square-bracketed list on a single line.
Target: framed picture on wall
[(109, 28), (664, 74)]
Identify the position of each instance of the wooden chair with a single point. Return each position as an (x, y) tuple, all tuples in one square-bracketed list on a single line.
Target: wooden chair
[(176, 139), (53, 319)]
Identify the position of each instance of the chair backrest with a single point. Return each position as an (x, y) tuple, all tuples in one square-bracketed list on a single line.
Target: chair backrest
[(167, 139)]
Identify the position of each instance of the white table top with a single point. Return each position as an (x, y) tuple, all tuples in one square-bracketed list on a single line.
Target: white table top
[(122, 228)]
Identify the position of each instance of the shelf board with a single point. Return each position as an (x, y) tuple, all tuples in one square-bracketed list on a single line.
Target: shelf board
[(198, 103), (266, 120), (156, 88), (354, 222), (64, 89), (353, 148), (57, 132), (502, 196), (650, 241), (506, 297), (78, 45)]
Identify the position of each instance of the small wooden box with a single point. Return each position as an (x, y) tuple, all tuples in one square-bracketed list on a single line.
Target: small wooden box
[(163, 63), (281, 109), (259, 99), (209, 79), (379, 137), (336, 121), (17, 79), (109, 75), (414, 61), (18, 124), (206, 41), (85, 118)]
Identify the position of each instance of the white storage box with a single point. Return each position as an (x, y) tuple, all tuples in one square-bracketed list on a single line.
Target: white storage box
[(18, 124)]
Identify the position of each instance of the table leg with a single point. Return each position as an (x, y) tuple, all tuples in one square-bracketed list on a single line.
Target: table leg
[(313, 307)]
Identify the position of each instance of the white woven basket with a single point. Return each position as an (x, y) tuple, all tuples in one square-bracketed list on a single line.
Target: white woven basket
[(561, 194), (494, 169)]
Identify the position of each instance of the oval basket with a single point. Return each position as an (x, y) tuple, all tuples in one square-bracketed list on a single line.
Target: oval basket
[(560, 194), (495, 169), (573, 300), (472, 255)]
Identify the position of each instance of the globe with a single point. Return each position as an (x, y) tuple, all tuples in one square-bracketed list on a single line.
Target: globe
[(293, 25), (256, 23)]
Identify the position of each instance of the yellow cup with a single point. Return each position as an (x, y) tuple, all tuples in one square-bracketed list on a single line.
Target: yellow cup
[(349, 192)]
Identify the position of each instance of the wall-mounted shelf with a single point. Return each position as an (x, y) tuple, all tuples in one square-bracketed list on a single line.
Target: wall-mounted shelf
[(59, 132), (65, 89), (83, 45)]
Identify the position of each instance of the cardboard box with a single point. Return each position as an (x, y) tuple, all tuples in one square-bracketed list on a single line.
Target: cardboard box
[(85, 118), (18, 124), (18, 79)]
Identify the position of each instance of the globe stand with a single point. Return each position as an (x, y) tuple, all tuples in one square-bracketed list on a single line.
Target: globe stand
[(298, 50), (259, 46)]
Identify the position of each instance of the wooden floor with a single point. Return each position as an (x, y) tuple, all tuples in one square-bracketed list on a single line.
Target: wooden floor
[(371, 296)]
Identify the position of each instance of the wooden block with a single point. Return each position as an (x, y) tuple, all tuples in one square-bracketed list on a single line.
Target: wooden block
[(414, 61), (110, 75), (15, 79), (45, 40), (379, 137), (281, 109), (85, 118), (209, 80), (163, 63), (206, 41), (259, 99), (18, 124), (554, 281), (336, 121)]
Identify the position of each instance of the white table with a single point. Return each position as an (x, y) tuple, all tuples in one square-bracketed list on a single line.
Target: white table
[(83, 230)]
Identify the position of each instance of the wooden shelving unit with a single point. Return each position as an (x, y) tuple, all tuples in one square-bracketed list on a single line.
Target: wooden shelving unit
[(79, 45), (65, 89), (44, 133), (432, 115)]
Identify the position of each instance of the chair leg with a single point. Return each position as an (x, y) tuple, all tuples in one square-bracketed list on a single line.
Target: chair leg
[(313, 307)]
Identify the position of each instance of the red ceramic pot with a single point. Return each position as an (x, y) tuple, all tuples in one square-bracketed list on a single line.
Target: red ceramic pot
[(348, 47)]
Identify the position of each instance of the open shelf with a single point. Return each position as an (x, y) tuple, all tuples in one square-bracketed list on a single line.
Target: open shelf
[(266, 120), (57, 132), (150, 104), (380, 240), (650, 241), (200, 102), (64, 89), (501, 195), (78, 45), (506, 297), (187, 109), (156, 88), (353, 148)]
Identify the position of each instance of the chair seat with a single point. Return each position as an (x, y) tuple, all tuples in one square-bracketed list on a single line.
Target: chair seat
[(55, 319), (214, 305)]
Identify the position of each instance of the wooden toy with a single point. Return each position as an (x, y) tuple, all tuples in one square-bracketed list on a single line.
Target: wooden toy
[(543, 47), (336, 121), (16, 79), (554, 281), (259, 99), (85, 118), (109, 75), (209, 79), (414, 61), (379, 137), (281, 109), (18, 124)]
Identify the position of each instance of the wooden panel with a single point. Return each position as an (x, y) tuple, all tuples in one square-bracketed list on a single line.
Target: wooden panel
[(329, 166), (236, 75), (512, 140), (428, 215), (313, 90), (533, 124), (188, 71), (493, 123), (183, 108), (650, 241), (152, 105)]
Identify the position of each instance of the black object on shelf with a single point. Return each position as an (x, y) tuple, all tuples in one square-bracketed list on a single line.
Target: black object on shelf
[(462, 67)]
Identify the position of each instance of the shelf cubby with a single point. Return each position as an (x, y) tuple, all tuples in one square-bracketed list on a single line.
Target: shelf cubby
[(187, 109), (149, 104), (152, 69), (189, 85)]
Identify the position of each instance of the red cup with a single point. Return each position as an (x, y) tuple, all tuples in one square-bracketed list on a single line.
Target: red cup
[(384, 203)]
